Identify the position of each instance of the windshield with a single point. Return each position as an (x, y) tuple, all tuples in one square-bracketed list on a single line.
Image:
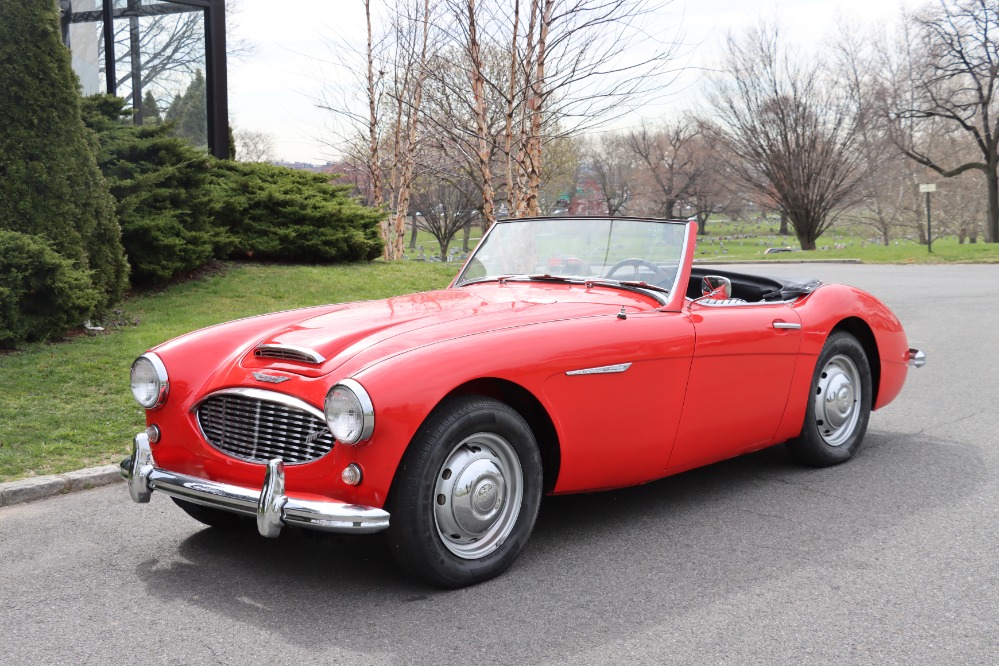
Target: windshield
[(618, 249)]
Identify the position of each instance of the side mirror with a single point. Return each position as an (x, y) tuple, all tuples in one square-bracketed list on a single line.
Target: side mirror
[(716, 287)]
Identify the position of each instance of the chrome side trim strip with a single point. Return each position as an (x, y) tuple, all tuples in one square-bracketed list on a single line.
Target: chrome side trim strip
[(602, 370), (271, 507)]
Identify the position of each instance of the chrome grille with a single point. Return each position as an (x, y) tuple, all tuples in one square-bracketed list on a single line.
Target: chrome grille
[(248, 426)]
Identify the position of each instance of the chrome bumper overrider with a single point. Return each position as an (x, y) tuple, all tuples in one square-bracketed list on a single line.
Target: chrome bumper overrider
[(272, 508), (917, 358)]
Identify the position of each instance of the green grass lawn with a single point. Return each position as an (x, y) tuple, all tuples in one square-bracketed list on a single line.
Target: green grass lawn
[(67, 405), (748, 241), (743, 241)]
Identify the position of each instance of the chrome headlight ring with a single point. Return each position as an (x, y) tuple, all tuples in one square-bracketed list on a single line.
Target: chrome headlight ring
[(350, 414), (149, 381)]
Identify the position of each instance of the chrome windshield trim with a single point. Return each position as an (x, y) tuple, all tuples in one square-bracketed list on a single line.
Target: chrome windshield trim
[(310, 355), (602, 370)]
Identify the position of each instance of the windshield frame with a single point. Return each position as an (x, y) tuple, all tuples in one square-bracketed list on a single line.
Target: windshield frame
[(663, 296)]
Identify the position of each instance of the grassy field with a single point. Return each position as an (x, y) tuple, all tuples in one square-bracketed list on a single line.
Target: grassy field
[(748, 241), (67, 405)]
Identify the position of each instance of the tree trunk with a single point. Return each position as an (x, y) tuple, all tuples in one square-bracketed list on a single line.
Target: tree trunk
[(374, 158), (466, 235), (412, 235), (702, 225), (481, 121), (783, 225), (992, 224), (536, 110)]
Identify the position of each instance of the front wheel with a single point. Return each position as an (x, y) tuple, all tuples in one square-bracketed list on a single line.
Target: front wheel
[(466, 494), (839, 404)]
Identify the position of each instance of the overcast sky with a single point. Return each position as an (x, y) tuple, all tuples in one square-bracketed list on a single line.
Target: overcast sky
[(275, 89)]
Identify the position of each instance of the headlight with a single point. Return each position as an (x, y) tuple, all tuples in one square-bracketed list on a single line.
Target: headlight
[(349, 412), (149, 381)]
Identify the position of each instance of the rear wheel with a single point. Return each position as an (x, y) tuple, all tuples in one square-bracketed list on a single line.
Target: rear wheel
[(466, 494), (839, 405)]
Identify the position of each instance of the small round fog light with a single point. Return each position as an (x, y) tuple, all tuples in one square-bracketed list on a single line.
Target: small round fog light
[(351, 474)]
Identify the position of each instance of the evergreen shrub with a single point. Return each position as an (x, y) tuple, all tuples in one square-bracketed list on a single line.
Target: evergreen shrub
[(50, 185), (161, 184), (42, 294), (282, 214)]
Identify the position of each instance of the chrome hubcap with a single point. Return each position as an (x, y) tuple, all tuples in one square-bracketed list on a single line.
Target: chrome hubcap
[(477, 495), (837, 400)]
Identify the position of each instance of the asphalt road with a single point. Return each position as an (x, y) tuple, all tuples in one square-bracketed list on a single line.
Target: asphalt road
[(891, 558)]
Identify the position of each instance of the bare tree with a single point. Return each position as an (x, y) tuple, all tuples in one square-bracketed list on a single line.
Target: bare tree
[(614, 165), (672, 161), (710, 184), (886, 183), (793, 134), (952, 77), (413, 34), (570, 67), (374, 152), (446, 201), (253, 146)]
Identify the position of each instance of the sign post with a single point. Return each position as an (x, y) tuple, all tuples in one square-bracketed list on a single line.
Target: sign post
[(931, 187)]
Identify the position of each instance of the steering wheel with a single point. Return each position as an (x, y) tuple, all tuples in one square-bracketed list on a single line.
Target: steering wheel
[(660, 277)]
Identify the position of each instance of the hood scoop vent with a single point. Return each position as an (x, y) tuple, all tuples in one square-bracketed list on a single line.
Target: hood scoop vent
[(289, 353)]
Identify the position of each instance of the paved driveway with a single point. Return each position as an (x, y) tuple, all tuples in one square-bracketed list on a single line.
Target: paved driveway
[(892, 558)]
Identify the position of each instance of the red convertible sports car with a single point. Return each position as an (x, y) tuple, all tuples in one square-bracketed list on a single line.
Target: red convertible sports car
[(568, 355)]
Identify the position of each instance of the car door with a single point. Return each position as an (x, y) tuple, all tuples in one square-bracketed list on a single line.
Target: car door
[(740, 375)]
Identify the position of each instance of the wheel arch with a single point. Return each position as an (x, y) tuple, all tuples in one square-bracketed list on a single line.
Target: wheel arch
[(860, 329), (524, 403), (529, 407)]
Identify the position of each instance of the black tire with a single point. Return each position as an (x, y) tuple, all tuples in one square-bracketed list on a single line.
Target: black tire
[(212, 517), (836, 418), (452, 539)]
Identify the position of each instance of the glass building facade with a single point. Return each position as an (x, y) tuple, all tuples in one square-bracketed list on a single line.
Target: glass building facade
[(167, 59)]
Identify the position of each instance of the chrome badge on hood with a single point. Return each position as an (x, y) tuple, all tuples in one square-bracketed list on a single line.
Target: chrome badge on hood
[(270, 379)]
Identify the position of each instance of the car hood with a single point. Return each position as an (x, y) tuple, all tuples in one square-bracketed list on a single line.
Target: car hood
[(376, 329)]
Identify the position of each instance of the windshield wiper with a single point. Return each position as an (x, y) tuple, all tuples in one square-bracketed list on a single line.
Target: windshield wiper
[(628, 283), (556, 278)]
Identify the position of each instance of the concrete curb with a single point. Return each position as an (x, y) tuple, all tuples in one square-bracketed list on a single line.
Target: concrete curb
[(40, 487)]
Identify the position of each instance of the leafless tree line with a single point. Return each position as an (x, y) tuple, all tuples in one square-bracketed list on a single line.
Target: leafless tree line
[(495, 100), (487, 95), (849, 136)]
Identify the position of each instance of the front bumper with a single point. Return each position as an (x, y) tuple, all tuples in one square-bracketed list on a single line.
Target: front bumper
[(272, 508)]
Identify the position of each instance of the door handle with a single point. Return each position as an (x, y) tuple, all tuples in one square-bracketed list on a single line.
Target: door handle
[(786, 325)]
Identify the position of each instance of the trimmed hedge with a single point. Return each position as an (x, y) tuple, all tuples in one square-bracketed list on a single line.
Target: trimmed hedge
[(281, 214), (180, 208), (42, 294)]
